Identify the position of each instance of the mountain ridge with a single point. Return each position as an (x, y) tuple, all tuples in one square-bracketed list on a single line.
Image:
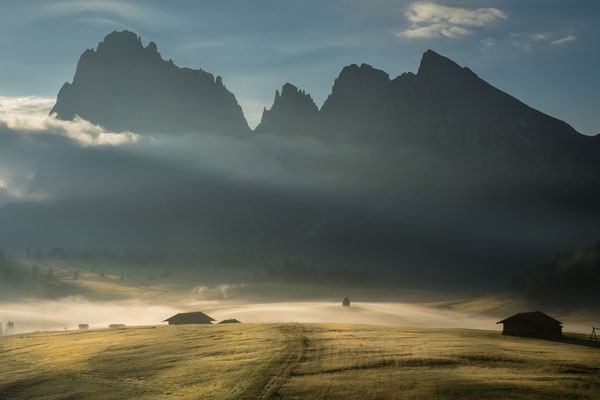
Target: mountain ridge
[(135, 89), (442, 106)]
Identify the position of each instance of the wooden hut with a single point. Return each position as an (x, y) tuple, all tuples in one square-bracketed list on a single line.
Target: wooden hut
[(230, 321), (197, 317), (346, 302), (531, 324)]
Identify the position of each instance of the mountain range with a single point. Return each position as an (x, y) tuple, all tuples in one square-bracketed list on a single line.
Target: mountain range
[(429, 174), (125, 86)]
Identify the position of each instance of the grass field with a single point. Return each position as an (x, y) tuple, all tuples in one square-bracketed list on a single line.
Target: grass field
[(296, 361)]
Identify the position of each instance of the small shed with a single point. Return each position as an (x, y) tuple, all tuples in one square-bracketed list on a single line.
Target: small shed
[(346, 302), (230, 321), (531, 324), (197, 317), (84, 326), (116, 326)]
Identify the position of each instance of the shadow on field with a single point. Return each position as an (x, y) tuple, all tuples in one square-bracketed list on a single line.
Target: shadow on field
[(579, 341)]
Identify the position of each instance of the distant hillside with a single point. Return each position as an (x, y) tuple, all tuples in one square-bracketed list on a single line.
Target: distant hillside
[(570, 277), (123, 85)]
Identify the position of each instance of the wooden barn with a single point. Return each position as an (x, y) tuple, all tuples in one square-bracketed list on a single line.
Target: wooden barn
[(531, 324), (230, 321), (197, 317)]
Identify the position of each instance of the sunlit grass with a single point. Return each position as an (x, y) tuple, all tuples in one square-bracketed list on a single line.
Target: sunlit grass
[(320, 361), (354, 362), (211, 362)]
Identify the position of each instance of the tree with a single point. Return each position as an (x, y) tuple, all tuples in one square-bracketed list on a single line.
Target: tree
[(75, 275), (51, 274)]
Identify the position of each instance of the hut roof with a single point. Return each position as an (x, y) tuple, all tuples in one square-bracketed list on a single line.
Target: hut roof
[(230, 321), (190, 318), (535, 317)]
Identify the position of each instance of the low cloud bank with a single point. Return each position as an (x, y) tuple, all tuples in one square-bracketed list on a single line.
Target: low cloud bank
[(29, 115), (413, 214)]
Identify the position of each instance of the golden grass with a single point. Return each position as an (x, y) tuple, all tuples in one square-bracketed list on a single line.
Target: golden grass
[(193, 361), (358, 362), (303, 361)]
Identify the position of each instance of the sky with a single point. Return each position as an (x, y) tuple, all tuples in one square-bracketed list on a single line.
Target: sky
[(545, 53)]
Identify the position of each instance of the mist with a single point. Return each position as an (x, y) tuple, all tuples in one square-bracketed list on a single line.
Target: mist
[(409, 215)]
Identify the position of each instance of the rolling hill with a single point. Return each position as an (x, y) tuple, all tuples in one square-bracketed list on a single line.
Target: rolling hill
[(290, 361)]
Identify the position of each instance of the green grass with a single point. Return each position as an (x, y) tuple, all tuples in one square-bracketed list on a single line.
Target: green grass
[(304, 361)]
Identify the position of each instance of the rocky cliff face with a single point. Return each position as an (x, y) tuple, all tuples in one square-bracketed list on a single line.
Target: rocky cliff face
[(293, 112), (444, 106), (123, 85)]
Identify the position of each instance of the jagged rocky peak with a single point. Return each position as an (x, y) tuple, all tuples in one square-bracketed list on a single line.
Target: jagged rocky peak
[(432, 61), (123, 85), (124, 41), (355, 78), (356, 84), (292, 97), (435, 67), (359, 102), (293, 111)]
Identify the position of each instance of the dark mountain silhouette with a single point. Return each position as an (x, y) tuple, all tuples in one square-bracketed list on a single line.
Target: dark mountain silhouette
[(293, 112), (440, 176), (444, 106), (123, 85)]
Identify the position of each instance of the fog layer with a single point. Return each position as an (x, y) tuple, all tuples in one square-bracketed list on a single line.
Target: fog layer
[(408, 214)]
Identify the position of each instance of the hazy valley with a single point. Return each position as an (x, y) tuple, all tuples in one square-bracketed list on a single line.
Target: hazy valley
[(375, 245)]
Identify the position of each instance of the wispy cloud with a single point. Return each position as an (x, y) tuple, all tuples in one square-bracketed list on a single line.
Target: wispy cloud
[(122, 10), (489, 42), (436, 20), (202, 44), (526, 41), (566, 39)]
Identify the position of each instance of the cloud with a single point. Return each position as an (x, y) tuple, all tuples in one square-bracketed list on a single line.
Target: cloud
[(559, 42), (537, 36), (119, 9), (526, 41), (489, 42), (196, 45), (436, 20), (29, 115)]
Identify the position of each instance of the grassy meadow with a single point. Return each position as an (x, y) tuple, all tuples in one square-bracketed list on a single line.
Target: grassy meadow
[(294, 361)]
